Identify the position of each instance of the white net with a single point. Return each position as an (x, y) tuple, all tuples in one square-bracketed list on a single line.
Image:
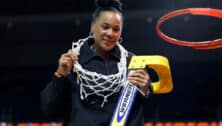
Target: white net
[(93, 83)]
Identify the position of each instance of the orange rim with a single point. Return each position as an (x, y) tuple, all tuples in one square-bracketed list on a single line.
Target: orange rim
[(200, 45)]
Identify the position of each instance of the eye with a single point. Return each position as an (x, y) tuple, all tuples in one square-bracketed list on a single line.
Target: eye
[(116, 29), (105, 26)]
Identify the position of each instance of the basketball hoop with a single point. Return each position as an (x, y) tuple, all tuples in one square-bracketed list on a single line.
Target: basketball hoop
[(200, 45)]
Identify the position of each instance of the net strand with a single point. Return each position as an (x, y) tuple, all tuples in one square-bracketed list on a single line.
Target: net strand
[(93, 83)]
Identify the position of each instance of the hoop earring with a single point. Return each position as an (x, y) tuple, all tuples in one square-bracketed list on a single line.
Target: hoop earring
[(91, 34), (120, 40)]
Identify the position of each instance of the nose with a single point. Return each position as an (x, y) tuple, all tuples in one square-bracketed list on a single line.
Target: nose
[(109, 32)]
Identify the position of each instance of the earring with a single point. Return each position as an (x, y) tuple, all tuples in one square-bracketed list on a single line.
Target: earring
[(120, 40), (91, 34)]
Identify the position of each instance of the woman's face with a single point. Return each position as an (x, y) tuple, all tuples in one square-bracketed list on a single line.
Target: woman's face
[(106, 30)]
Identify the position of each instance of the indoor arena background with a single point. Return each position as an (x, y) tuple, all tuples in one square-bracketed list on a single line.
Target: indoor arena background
[(33, 34)]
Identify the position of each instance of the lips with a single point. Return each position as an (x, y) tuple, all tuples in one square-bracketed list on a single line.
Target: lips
[(109, 42)]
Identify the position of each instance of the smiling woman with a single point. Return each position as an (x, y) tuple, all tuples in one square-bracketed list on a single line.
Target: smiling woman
[(106, 32), (85, 88)]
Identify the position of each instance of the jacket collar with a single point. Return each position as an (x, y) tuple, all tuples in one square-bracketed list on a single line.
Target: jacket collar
[(86, 53)]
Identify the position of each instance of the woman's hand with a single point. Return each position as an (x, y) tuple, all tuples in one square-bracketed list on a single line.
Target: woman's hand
[(66, 62), (140, 78)]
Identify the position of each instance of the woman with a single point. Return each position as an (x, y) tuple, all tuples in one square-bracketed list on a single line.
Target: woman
[(87, 94)]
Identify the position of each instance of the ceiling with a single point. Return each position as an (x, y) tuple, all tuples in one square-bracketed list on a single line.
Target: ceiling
[(33, 7)]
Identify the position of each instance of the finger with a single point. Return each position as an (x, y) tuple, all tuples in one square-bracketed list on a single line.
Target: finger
[(74, 56), (138, 80), (142, 74), (138, 83), (68, 59), (64, 66), (65, 63), (133, 82), (137, 75), (71, 56)]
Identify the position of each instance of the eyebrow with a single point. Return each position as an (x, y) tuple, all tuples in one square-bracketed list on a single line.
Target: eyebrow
[(111, 25)]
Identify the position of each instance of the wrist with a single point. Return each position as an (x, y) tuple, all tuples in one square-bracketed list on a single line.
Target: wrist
[(59, 74), (147, 90)]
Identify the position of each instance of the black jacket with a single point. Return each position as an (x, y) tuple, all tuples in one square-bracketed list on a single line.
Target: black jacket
[(61, 97)]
